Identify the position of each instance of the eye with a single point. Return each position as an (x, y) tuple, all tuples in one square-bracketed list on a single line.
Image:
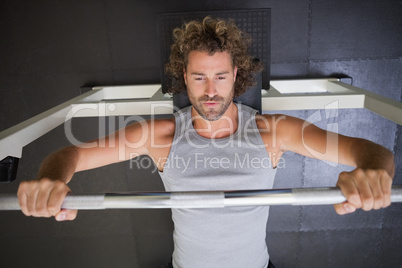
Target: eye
[(220, 78), (199, 78)]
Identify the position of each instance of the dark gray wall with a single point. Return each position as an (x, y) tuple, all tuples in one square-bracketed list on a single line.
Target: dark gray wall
[(50, 49)]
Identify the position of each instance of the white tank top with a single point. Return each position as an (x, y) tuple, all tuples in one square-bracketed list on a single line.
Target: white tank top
[(219, 237)]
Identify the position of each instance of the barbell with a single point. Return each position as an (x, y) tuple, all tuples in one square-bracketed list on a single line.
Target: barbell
[(200, 199)]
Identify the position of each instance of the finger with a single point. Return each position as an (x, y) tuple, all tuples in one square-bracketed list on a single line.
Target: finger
[(349, 190), (31, 199), (56, 197), (374, 179), (66, 215), (42, 200), (366, 196), (365, 193), (344, 208), (386, 186), (22, 199)]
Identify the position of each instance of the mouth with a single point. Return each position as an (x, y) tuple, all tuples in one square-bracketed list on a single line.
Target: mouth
[(211, 104)]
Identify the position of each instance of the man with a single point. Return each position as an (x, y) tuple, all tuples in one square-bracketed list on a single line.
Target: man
[(216, 144)]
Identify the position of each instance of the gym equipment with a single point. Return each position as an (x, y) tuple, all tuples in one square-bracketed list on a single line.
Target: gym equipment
[(200, 199)]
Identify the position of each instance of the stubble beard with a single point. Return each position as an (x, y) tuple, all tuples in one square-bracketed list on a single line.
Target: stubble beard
[(211, 114)]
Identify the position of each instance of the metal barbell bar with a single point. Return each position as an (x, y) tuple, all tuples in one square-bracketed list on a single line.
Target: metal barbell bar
[(200, 199)]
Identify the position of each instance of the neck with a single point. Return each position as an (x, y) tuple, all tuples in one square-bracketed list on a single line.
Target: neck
[(221, 128)]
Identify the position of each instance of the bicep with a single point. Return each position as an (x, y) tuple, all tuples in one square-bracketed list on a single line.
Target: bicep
[(119, 146), (304, 138)]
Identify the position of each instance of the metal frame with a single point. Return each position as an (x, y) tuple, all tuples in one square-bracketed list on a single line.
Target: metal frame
[(301, 94)]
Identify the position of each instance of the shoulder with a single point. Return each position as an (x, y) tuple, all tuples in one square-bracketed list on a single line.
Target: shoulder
[(278, 122), (268, 122), (280, 130), (148, 131), (155, 135), (162, 127), (161, 139)]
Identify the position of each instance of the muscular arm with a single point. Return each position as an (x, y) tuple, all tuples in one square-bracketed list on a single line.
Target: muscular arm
[(367, 187), (44, 196)]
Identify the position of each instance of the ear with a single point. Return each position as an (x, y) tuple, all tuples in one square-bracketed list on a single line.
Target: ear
[(185, 76), (234, 73)]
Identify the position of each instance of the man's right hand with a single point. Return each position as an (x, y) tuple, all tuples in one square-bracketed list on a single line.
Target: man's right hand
[(43, 198)]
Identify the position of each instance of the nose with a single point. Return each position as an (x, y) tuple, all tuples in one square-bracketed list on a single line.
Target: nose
[(210, 89)]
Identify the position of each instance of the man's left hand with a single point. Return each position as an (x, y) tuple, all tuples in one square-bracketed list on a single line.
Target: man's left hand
[(364, 188)]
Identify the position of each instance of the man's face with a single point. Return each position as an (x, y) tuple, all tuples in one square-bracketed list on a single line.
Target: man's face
[(210, 83)]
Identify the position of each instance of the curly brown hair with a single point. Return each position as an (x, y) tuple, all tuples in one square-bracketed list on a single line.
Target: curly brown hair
[(211, 35)]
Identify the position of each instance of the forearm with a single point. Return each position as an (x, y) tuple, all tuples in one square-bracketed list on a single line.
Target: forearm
[(369, 155), (60, 165)]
